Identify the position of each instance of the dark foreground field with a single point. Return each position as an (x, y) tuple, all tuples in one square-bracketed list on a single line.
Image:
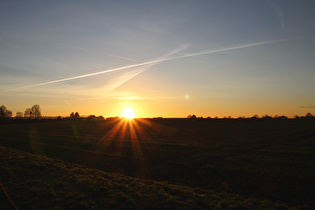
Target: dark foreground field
[(247, 160), (38, 182)]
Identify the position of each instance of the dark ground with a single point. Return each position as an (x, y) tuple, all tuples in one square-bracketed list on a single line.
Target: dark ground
[(270, 159)]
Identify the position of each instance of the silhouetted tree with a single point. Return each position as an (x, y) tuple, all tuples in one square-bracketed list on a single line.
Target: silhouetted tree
[(308, 115), (91, 117), (283, 117), (33, 112), (19, 115), (4, 113), (28, 112), (36, 112), (74, 115), (255, 116), (266, 116), (192, 116)]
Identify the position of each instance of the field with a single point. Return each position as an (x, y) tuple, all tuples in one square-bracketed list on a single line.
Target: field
[(255, 159)]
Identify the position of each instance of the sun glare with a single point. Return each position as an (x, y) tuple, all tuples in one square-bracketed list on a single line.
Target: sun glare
[(128, 113)]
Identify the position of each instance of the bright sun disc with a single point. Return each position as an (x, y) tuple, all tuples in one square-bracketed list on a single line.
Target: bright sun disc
[(128, 113)]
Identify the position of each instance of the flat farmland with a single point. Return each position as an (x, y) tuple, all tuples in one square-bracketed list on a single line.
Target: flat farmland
[(271, 159)]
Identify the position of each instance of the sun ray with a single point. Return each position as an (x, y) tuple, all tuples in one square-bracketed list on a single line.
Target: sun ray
[(139, 160), (126, 139)]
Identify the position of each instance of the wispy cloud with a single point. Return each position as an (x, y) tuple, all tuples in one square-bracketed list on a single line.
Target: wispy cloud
[(310, 107), (61, 44), (279, 14), (154, 62), (4, 32), (2, 35)]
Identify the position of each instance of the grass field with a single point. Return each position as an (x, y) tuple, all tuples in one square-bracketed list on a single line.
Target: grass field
[(38, 182), (262, 159)]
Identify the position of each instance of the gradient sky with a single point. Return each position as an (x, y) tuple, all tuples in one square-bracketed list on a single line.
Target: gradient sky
[(161, 58)]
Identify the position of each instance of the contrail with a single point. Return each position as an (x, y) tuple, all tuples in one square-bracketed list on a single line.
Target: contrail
[(163, 59), (124, 58), (231, 48), (116, 85), (82, 76), (102, 72), (129, 78)]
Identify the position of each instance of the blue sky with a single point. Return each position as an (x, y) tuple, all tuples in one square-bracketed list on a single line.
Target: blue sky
[(264, 63)]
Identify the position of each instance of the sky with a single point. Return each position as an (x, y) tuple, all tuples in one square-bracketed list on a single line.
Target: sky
[(159, 58)]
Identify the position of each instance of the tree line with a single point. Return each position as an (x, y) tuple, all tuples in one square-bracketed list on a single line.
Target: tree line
[(32, 113), (308, 115)]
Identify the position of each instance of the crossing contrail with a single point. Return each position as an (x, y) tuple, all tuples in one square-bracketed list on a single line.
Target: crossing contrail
[(163, 58), (124, 58), (231, 48), (154, 62), (142, 69)]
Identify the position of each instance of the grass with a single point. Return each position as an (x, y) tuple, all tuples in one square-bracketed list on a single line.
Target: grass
[(267, 159), (39, 182)]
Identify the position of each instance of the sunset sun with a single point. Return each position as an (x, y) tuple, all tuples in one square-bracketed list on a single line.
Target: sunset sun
[(128, 113)]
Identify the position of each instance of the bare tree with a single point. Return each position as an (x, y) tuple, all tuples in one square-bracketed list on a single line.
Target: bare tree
[(28, 113), (4, 113), (19, 115), (33, 112), (36, 112), (74, 115)]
